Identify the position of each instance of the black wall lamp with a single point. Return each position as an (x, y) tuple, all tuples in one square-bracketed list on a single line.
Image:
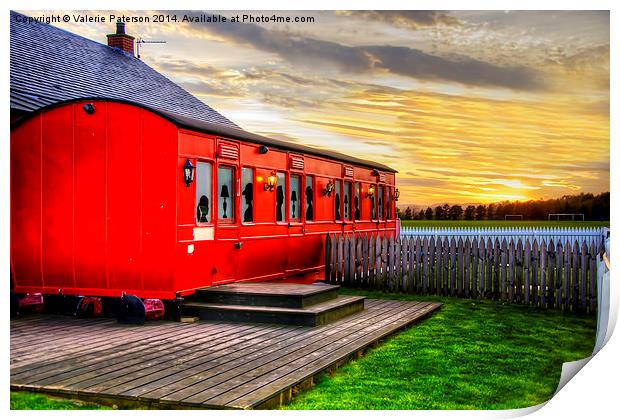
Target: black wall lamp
[(89, 108), (189, 171)]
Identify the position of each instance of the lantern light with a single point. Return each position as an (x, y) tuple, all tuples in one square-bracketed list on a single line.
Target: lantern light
[(371, 192), (189, 171), (396, 194), (329, 188), (263, 149), (272, 179)]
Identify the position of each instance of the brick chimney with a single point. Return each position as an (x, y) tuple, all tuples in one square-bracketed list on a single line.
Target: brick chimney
[(120, 39)]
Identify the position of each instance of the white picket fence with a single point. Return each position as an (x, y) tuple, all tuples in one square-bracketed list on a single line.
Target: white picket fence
[(558, 234)]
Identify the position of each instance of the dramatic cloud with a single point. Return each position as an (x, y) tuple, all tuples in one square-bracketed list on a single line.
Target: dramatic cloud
[(410, 19), (410, 62), (449, 99)]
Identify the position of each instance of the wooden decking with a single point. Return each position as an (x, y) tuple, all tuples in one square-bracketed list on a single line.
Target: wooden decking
[(200, 365)]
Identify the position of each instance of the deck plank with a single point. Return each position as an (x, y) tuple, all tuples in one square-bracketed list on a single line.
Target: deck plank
[(286, 361), (201, 365), (114, 365), (264, 388), (277, 357)]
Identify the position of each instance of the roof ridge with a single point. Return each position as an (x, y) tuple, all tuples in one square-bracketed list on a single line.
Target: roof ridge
[(185, 101)]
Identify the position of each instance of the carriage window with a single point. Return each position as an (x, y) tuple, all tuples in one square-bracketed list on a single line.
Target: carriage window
[(203, 192), (280, 193), (373, 203), (338, 192), (247, 201), (309, 197), (357, 204), (348, 205), (225, 193), (380, 201), (388, 204), (295, 199)]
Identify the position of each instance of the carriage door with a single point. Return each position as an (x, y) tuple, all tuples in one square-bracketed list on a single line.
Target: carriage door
[(226, 212)]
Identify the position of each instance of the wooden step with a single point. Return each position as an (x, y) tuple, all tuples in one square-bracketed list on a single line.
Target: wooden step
[(313, 315), (283, 295)]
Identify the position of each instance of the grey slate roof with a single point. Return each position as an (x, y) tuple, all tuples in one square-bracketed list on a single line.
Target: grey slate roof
[(50, 65)]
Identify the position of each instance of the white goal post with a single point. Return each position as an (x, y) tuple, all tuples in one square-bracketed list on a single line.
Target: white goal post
[(566, 216), (513, 217)]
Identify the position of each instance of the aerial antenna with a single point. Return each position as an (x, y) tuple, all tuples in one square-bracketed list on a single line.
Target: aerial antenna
[(143, 41)]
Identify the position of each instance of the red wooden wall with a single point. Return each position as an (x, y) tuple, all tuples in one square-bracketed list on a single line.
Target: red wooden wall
[(93, 201)]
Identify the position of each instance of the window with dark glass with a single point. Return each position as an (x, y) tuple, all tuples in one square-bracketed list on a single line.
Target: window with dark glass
[(309, 197), (295, 199), (280, 194), (388, 204), (203, 192), (380, 201), (337, 204), (348, 205), (247, 193), (357, 204), (225, 194), (373, 203)]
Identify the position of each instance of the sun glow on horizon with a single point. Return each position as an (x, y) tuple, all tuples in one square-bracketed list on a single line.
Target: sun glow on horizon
[(463, 106)]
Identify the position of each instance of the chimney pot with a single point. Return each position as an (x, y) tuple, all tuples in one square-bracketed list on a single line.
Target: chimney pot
[(120, 28)]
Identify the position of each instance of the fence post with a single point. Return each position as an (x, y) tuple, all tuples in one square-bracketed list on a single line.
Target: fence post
[(340, 259), (402, 280), (418, 265), (431, 266), (497, 289), (327, 258), (394, 253), (526, 270), (365, 256), (551, 273), (466, 269), (502, 273), (519, 271), (352, 264), (583, 283), (567, 276), (593, 291), (412, 265), (378, 264), (559, 271), (475, 263), (511, 271), (359, 261), (384, 263), (452, 266), (425, 272), (575, 276), (346, 272)]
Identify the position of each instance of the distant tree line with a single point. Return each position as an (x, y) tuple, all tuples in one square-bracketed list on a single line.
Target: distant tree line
[(594, 207)]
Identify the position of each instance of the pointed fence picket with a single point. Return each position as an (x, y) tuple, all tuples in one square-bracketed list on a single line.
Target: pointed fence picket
[(558, 234), (543, 271)]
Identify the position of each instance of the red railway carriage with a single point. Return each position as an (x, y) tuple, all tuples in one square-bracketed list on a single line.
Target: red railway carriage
[(111, 197)]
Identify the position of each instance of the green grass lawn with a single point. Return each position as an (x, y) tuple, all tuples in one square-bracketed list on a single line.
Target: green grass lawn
[(31, 401), (468, 355), (500, 223)]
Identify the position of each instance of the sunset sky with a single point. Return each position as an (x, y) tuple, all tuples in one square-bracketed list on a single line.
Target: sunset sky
[(468, 106)]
